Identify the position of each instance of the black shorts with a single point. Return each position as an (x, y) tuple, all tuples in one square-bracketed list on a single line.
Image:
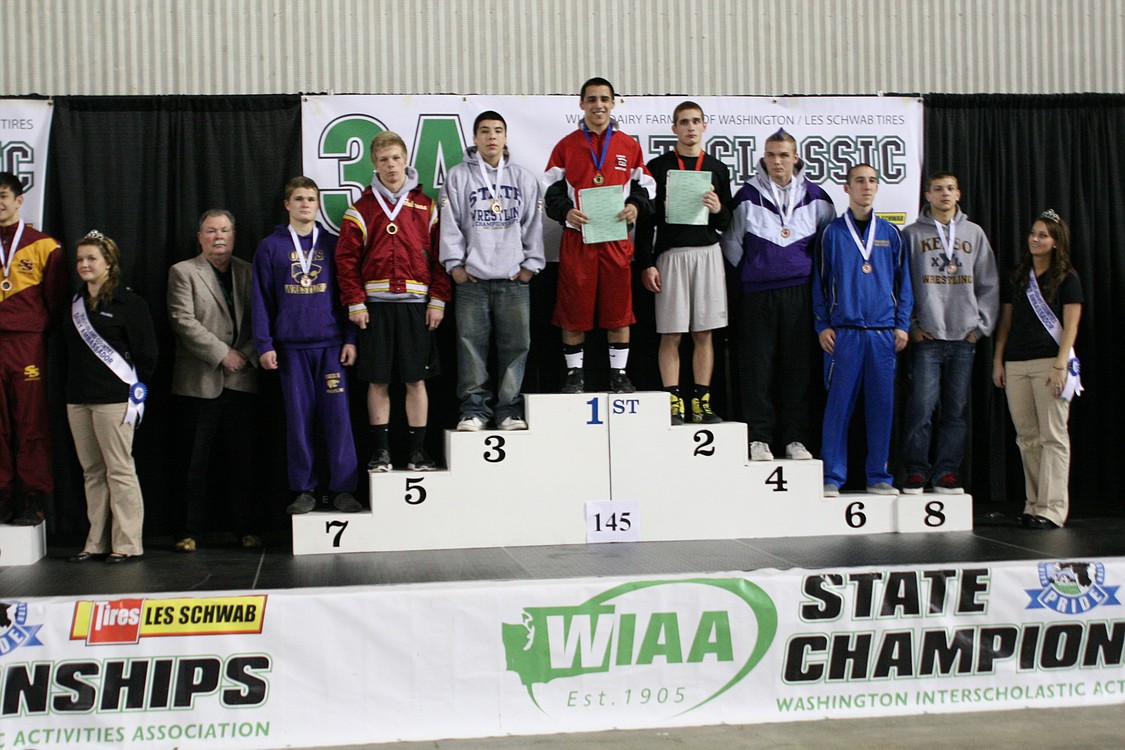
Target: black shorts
[(396, 346)]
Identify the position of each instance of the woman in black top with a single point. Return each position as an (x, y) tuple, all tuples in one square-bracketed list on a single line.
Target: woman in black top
[(111, 347), (1034, 363)]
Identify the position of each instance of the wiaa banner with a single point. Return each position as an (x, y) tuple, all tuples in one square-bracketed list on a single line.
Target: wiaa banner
[(832, 132), (356, 665), (25, 128)]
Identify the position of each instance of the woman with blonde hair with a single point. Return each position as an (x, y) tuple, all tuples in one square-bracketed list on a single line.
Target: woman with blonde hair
[(111, 348), (1034, 363)]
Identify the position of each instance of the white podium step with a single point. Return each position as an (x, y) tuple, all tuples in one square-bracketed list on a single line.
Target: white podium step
[(527, 488), (502, 488), (22, 545)]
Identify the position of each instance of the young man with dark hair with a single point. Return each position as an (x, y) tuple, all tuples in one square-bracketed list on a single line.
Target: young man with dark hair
[(684, 266), (492, 246), (33, 290), (301, 330), (776, 219), (956, 303), (862, 299), (595, 275), (395, 291)]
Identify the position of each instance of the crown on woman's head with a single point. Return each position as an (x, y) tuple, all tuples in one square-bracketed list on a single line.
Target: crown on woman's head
[(1051, 215)]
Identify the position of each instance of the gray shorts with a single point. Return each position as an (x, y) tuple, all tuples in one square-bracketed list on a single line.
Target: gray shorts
[(693, 294)]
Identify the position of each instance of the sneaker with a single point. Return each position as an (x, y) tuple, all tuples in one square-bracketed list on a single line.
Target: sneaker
[(677, 409), (345, 502), (574, 381), (760, 451), (796, 451), (303, 503), (30, 517), (881, 488), (471, 423), (701, 411), (187, 544), (831, 490), (380, 461), (421, 461), (251, 541), (947, 484), (512, 423), (619, 383), (914, 485)]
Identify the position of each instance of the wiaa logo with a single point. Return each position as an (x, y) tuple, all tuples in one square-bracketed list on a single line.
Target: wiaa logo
[(1072, 588), (14, 630), (660, 647)]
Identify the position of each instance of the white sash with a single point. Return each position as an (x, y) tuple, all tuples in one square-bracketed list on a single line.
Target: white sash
[(112, 359), (1050, 321)]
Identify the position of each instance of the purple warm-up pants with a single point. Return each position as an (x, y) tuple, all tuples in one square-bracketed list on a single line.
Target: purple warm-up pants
[(315, 387)]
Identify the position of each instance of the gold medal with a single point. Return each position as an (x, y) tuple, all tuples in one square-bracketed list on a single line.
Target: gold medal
[(868, 268), (305, 281), (952, 268), (6, 285), (598, 179), (496, 207), (392, 228), (785, 233)]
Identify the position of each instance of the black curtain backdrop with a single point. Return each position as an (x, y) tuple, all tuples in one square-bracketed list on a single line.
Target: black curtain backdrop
[(1016, 156), (142, 170)]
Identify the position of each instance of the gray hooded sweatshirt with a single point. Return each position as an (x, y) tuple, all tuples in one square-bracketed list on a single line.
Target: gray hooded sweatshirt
[(953, 296)]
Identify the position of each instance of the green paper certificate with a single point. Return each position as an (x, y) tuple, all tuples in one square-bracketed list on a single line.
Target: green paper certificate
[(601, 205), (683, 203)]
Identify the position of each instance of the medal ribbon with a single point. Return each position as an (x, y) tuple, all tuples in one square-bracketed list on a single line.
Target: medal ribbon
[(605, 145), (492, 191), (864, 250), (787, 214), (6, 257), (698, 162), (947, 246), (305, 260), (112, 359), (387, 209)]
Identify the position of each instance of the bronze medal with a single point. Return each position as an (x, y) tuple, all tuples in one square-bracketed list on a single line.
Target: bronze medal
[(952, 267), (598, 179), (305, 280), (868, 268), (785, 233), (392, 228), (496, 206)]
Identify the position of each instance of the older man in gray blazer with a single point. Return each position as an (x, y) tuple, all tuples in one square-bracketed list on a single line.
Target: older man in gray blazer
[(214, 377)]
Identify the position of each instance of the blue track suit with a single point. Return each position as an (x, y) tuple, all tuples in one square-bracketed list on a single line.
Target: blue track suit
[(307, 328), (863, 309)]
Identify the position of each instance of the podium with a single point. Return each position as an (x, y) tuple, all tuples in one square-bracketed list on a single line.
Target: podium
[(584, 455), (22, 545)]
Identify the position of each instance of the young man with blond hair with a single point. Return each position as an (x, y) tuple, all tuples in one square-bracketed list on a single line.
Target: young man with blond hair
[(395, 290)]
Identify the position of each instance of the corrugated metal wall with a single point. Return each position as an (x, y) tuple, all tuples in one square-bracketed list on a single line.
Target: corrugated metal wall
[(698, 47)]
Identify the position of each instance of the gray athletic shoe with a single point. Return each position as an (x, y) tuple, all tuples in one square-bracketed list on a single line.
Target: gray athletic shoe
[(345, 502), (304, 503), (881, 488), (831, 490)]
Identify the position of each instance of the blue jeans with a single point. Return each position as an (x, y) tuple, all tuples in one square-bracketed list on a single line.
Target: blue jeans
[(940, 371), (502, 306)]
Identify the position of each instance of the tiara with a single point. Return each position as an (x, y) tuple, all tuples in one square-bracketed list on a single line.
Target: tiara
[(94, 234), (1051, 215)]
